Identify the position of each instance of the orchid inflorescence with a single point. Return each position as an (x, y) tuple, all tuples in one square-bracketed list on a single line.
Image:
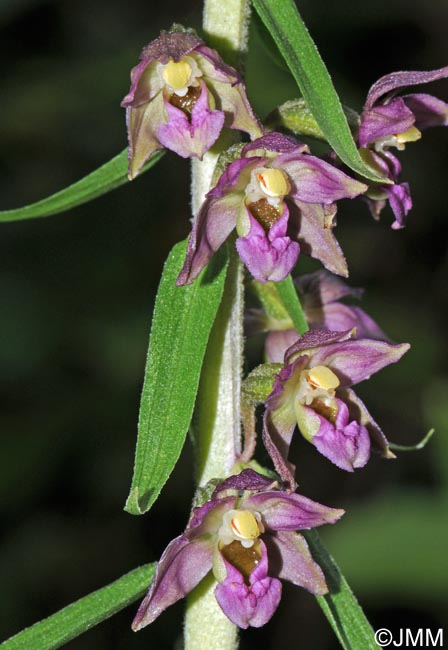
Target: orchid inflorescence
[(281, 202)]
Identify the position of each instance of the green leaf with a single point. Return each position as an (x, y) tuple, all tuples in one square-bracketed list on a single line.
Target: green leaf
[(183, 318), (290, 299), (104, 179), (73, 620), (302, 56), (340, 605)]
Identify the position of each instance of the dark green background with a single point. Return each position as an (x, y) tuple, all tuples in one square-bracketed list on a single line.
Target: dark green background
[(76, 294)]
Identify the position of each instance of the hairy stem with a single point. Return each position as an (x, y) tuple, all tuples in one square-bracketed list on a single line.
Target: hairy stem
[(218, 411), (218, 416), (206, 627), (226, 27)]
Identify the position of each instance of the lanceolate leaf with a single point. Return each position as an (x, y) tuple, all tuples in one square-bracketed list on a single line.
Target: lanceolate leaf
[(73, 620), (340, 605), (104, 179), (290, 299), (183, 318), (302, 56)]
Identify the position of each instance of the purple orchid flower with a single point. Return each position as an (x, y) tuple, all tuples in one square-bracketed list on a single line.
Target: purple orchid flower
[(320, 294), (182, 94), (389, 121), (313, 392), (246, 535), (281, 200)]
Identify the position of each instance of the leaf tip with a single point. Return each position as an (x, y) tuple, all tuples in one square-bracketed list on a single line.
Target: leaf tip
[(132, 505)]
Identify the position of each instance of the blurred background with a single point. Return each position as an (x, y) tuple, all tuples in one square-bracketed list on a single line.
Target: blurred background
[(76, 296)]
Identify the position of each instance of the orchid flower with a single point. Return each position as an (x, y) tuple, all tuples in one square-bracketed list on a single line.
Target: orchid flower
[(312, 392), (320, 295), (281, 200), (182, 94), (246, 535), (390, 121)]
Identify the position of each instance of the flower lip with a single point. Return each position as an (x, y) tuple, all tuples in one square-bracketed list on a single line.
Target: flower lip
[(266, 211), (252, 599), (271, 255), (186, 99)]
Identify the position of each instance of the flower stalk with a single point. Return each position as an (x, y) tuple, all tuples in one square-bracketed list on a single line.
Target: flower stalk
[(217, 431)]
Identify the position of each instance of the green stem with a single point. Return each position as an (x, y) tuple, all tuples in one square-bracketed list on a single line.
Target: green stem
[(206, 627), (218, 415), (226, 27), (217, 436)]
